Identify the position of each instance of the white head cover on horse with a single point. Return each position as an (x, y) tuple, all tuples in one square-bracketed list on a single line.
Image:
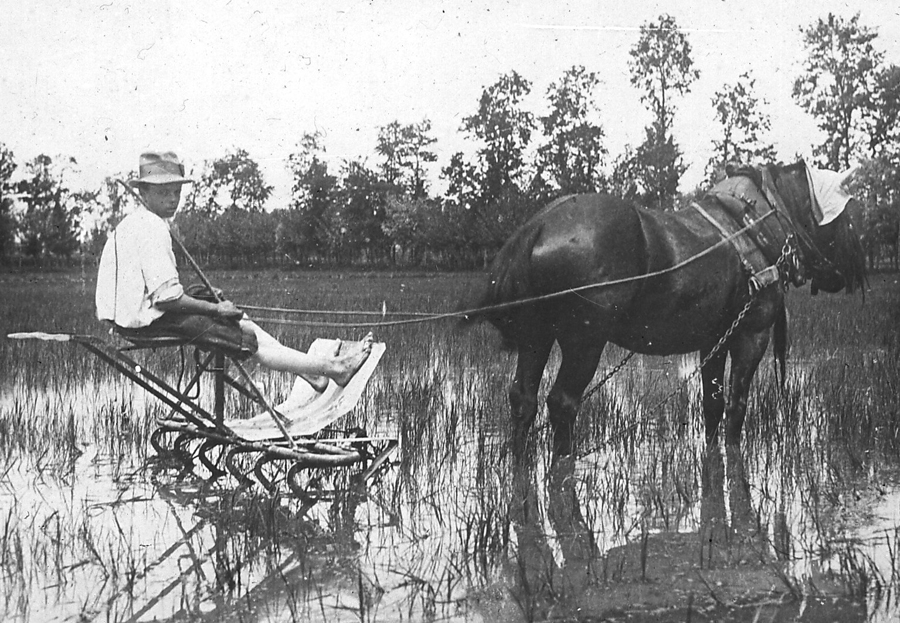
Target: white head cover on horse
[(829, 198)]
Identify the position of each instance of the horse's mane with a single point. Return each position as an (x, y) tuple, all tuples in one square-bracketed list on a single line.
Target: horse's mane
[(850, 256)]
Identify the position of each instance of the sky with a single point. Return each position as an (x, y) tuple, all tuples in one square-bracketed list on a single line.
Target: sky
[(103, 81)]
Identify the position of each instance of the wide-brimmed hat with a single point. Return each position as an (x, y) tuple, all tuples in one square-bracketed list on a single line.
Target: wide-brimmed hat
[(160, 168)]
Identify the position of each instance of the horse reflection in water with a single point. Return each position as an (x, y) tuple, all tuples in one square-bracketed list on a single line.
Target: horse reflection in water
[(729, 561), (592, 269)]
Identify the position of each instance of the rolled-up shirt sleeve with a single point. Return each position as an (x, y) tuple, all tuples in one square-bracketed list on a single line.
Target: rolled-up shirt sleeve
[(171, 290)]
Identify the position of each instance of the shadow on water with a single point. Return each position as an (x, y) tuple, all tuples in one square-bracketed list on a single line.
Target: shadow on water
[(731, 567)]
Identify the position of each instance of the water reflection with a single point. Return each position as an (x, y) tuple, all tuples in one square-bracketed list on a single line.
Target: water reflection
[(263, 555), (732, 561), (651, 518)]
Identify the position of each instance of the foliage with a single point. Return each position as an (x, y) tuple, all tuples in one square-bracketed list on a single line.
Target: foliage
[(234, 180), (837, 85), (573, 155), (8, 225), (504, 129), (654, 171), (883, 116), (406, 151), (360, 209), (737, 111), (48, 226), (661, 66), (302, 231), (517, 162)]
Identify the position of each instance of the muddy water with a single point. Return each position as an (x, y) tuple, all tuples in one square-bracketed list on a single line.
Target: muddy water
[(645, 521)]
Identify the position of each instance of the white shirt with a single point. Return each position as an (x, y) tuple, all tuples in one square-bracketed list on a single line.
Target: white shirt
[(137, 271)]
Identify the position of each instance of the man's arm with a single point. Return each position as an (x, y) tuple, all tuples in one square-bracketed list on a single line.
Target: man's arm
[(187, 304)]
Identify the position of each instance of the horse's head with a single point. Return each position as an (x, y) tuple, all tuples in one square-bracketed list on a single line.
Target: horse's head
[(832, 253)]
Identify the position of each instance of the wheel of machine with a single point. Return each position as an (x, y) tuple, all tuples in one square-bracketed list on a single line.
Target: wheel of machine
[(268, 478), (234, 469), (158, 439), (215, 471), (309, 489)]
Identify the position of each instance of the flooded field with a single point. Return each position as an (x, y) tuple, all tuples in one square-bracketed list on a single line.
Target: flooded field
[(644, 524)]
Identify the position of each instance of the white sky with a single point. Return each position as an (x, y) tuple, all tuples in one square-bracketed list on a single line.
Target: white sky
[(105, 80)]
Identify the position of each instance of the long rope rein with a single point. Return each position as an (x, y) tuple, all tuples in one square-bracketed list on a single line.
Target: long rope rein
[(420, 317)]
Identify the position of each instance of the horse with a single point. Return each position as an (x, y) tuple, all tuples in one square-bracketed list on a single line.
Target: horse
[(591, 269)]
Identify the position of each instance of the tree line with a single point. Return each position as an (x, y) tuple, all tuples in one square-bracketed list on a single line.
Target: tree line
[(386, 214)]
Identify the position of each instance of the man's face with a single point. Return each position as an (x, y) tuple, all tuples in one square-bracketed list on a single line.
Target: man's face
[(162, 199)]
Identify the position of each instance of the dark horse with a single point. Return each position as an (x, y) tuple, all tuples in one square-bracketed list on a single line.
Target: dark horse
[(674, 283)]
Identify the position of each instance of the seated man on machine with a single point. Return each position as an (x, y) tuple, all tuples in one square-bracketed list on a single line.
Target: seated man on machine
[(139, 291)]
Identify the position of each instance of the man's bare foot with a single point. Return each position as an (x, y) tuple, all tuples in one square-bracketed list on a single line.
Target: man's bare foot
[(352, 361), (320, 382)]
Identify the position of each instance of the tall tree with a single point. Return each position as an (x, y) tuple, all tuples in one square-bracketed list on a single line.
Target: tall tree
[(744, 125), (662, 68), (883, 115), (390, 147), (573, 155), (360, 213), (504, 128), (303, 230), (406, 150), (233, 180), (49, 225), (837, 84), (7, 220)]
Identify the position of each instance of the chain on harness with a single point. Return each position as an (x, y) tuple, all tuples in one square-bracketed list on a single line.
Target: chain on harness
[(787, 262)]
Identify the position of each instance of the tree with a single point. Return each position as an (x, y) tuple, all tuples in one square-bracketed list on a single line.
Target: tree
[(463, 182), (883, 114), (360, 213), (573, 155), (405, 226), (8, 224), (651, 173), (406, 151), (101, 212), (233, 180), (504, 129), (661, 66), (738, 112), (49, 225), (303, 229), (837, 85), (390, 146)]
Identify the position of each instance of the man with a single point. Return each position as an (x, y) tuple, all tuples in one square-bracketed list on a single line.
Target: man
[(139, 291)]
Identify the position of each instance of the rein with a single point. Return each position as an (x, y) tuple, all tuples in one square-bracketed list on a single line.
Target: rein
[(482, 311)]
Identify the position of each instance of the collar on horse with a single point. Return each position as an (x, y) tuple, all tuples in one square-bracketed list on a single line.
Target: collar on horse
[(774, 248)]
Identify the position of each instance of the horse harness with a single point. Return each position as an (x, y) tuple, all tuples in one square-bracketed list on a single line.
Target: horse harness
[(772, 250)]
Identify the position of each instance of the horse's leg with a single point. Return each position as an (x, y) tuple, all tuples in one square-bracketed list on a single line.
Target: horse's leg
[(532, 357), (746, 351), (580, 356), (713, 378)]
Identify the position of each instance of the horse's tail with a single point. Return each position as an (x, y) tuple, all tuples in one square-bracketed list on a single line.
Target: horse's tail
[(508, 279), (780, 343)]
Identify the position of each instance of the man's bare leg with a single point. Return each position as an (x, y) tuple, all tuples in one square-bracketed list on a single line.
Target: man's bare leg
[(341, 368), (349, 363), (320, 382)]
